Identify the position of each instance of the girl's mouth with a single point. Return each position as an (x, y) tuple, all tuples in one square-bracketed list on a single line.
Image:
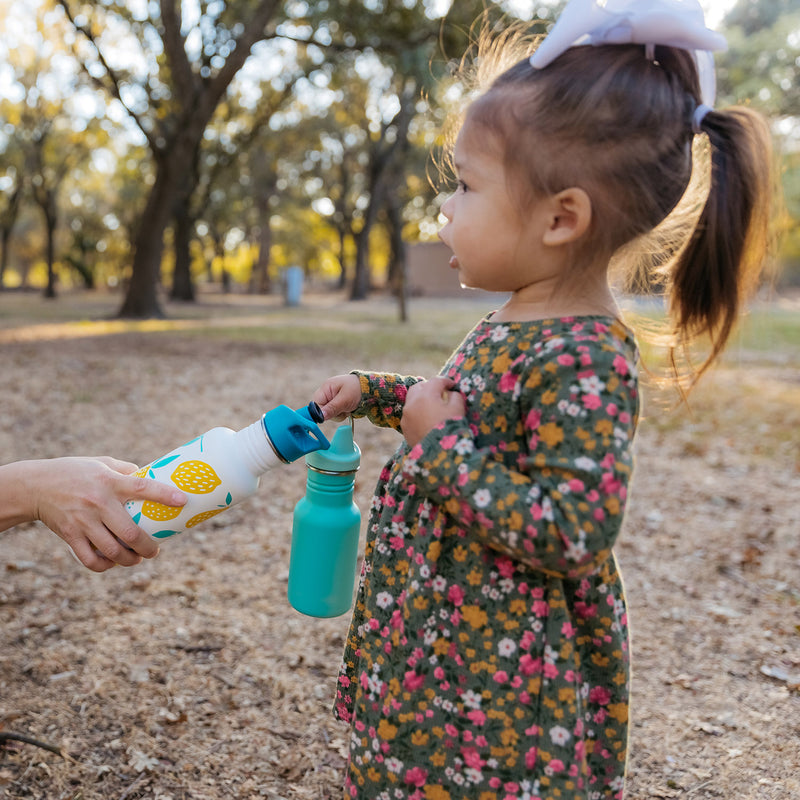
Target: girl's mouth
[(454, 262)]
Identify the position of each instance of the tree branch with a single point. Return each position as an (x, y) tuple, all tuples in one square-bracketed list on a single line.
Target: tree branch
[(11, 736), (175, 48), (113, 84)]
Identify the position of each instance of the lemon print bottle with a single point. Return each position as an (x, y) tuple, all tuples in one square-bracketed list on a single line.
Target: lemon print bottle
[(223, 467)]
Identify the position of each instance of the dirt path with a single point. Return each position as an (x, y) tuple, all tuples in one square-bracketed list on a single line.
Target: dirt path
[(191, 677)]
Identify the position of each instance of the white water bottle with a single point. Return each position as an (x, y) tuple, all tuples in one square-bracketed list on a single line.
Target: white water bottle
[(223, 467)]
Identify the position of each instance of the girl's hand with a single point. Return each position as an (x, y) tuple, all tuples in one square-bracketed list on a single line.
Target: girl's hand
[(82, 500), (338, 396), (427, 404)]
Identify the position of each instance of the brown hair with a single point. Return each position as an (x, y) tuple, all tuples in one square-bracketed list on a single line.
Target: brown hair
[(619, 125)]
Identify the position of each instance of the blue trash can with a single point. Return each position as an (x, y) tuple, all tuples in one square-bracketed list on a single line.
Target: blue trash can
[(293, 285)]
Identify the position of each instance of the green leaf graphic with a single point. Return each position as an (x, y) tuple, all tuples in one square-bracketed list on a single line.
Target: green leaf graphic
[(162, 462), (164, 534)]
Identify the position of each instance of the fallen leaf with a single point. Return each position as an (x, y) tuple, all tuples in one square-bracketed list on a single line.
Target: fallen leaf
[(141, 762)]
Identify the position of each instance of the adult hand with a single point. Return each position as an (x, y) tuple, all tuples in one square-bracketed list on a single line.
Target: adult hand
[(82, 500)]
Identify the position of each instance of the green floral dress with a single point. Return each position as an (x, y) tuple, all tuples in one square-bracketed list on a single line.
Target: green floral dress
[(488, 652)]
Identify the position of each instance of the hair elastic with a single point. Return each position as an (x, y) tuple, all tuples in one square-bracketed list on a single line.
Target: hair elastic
[(698, 117)]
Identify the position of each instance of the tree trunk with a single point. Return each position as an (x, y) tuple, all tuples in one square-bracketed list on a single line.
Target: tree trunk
[(261, 282), (342, 259), (9, 218), (182, 284), (48, 207), (360, 288), (141, 299), (397, 264)]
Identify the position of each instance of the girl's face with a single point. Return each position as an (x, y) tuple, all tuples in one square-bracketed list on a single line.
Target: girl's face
[(495, 247)]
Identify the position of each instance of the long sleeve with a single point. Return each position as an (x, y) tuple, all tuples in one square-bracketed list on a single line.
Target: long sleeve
[(556, 504), (383, 396)]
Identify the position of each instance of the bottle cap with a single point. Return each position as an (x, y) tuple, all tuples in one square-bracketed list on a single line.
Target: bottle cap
[(294, 433), (343, 455)]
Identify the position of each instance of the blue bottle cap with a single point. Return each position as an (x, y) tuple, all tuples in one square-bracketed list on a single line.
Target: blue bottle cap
[(294, 433), (343, 455)]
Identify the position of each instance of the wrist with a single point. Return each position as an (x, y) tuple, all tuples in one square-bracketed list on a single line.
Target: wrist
[(18, 497)]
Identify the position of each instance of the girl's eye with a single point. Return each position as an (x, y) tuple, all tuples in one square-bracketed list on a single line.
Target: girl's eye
[(462, 187)]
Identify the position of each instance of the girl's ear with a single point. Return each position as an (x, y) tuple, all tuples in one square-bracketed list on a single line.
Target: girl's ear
[(569, 217)]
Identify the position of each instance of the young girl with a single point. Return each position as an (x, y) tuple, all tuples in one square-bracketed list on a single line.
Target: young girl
[(488, 655)]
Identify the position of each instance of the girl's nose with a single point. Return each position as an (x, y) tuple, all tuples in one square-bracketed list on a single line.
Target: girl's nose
[(447, 209)]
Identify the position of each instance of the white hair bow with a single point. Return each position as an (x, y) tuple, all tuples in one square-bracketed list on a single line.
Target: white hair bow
[(676, 23)]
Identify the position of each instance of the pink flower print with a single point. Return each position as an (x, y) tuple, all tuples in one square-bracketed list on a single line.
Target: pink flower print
[(555, 765), (584, 610), (620, 365), (412, 681), (448, 442), (600, 717), (611, 409), (550, 670), (533, 419), (566, 359), (455, 594), (500, 676), (530, 757), (600, 695), (416, 451), (505, 566), (416, 776), (568, 629), (592, 401), (476, 717), (580, 750), (507, 382), (472, 758), (625, 418), (528, 665), (541, 608)]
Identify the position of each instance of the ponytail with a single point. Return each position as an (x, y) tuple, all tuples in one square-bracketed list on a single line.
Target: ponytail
[(720, 267)]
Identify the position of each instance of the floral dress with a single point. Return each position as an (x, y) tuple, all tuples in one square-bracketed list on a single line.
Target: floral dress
[(488, 652)]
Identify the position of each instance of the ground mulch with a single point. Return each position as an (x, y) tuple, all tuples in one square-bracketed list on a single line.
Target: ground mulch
[(190, 676)]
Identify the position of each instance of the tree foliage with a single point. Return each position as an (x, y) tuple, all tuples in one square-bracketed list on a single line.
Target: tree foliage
[(168, 141)]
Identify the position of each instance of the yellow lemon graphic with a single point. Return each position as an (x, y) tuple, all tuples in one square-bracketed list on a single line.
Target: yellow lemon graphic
[(198, 518), (160, 512), (141, 473), (196, 477)]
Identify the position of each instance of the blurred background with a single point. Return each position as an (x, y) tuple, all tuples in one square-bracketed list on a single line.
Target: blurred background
[(157, 149)]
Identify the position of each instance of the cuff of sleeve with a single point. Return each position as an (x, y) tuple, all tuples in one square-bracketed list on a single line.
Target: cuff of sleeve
[(379, 391)]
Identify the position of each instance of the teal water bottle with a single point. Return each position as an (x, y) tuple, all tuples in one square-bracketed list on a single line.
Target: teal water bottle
[(322, 565)]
